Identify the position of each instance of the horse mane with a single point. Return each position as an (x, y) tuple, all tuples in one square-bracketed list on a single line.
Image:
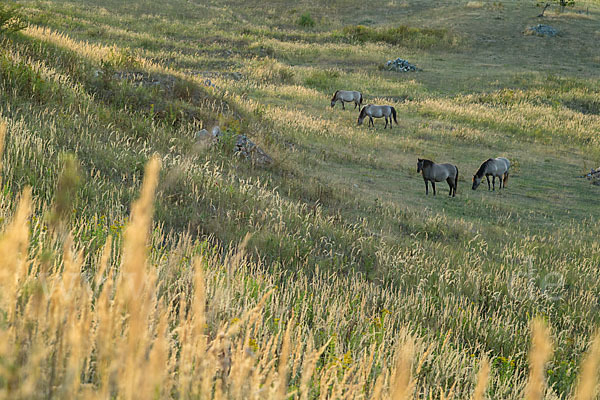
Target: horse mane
[(481, 169), (335, 94), (363, 112), (427, 163)]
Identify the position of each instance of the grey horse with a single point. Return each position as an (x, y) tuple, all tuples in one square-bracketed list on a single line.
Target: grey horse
[(347, 96), (494, 167), (373, 111), (433, 173)]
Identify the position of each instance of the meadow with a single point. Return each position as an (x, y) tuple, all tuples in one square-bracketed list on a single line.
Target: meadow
[(137, 262)]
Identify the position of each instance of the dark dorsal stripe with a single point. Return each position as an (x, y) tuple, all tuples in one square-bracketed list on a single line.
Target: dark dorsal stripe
[(481, 170), (427, 163)]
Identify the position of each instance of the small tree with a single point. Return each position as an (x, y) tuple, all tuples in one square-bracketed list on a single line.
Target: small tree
[(561, 3), (564, 3), (11, 19)]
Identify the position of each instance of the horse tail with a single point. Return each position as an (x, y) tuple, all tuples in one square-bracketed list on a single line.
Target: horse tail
[(505, 178), (456, 179), (360, 99), (394, 115)]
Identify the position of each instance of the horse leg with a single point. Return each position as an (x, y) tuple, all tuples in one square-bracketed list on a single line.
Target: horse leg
[(371, 121), (452, 187), (433, 186), (385, 122), (343, 107), (494, 183), (501, 181), (355, 104), (488, 179), (426, 187)]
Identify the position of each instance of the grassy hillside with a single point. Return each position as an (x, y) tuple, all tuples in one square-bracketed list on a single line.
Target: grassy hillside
[(355, 266)]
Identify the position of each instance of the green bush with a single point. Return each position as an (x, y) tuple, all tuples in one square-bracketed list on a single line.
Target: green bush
[(11, 20), (26, 80), (306, 21)]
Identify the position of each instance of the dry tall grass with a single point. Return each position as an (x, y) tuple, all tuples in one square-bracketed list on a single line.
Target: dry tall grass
[(144, 314), (541, 350), (143, 330)]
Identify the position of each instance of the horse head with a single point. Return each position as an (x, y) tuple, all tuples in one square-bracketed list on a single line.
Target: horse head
[(333, 99), (419, 165), (480, 173), (476, 181), (362, 115)]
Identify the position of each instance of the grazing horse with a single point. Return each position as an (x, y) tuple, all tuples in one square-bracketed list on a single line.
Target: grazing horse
[(433, 173), (373, 111), (496, 167), (347, 96)]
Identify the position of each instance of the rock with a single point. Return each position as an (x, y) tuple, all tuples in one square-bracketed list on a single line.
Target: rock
[(203, 135), (248, 149), (400, 65), (594, 176), (541, 30), (208, 82), (243, 146)]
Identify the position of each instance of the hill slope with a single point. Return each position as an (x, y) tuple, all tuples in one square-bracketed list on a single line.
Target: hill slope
[(342, 206)]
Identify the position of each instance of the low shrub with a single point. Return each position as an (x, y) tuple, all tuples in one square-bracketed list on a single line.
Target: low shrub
[(306, 21), (11, 19)]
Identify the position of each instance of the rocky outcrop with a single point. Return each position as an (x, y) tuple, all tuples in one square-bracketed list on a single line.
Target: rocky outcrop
[(242, 146), (541, 30), (247, 148), (400, 65), (594, 176)]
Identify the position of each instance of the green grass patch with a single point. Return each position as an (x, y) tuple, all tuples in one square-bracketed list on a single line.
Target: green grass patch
[(405, 36)]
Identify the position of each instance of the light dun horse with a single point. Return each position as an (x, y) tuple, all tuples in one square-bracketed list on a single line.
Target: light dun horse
[(373, 111), (495, 167), (433, 173), (347, 96)]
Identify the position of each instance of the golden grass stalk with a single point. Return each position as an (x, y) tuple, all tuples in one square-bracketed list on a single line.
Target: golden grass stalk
[(402, 385), (588, 377), (137, 287), (539, 354), (3, 130), (482, 380), (13, 252), (136, 232), (308, 368), (283, 361)]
